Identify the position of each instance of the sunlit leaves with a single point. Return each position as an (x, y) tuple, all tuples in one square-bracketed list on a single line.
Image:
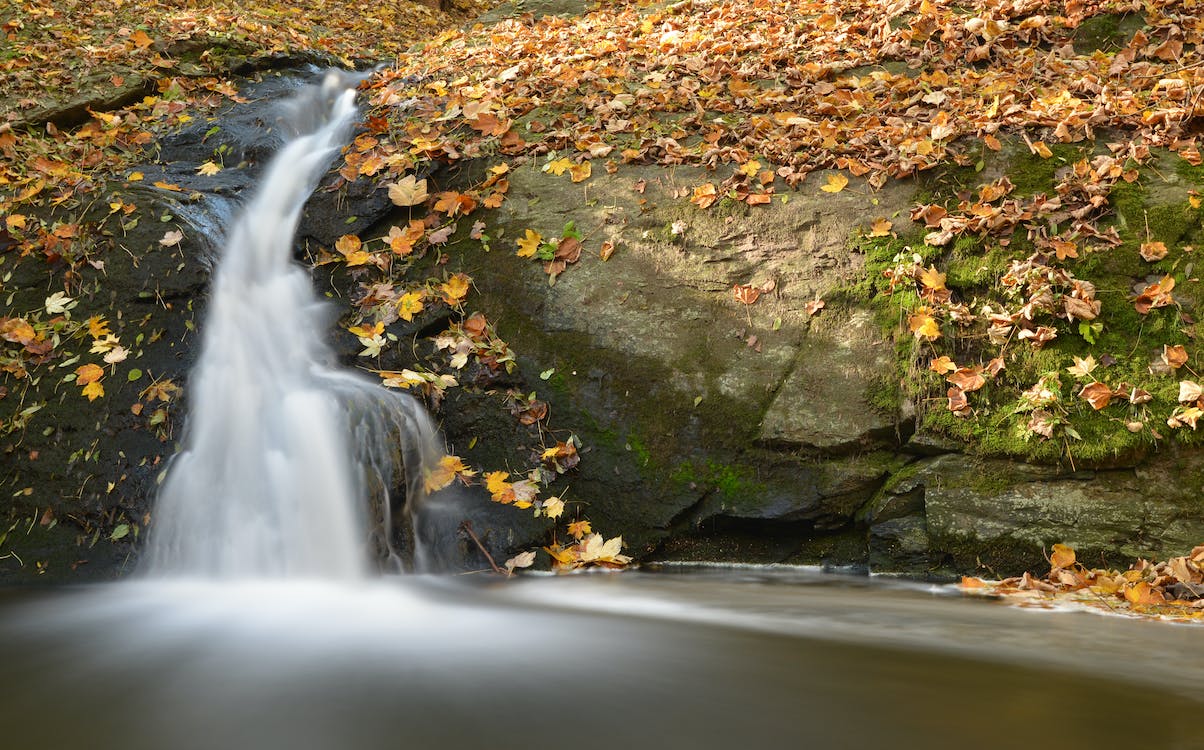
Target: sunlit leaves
[(835, 183), (529, 244), (409, 305), (408, 191), (455, 289)]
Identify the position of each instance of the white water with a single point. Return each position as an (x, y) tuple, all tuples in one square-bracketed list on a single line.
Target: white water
[(282, 449)]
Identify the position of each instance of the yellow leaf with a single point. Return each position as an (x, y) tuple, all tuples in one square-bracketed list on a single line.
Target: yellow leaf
[(136, 177), (1061, 556), (932, 279), (580, 172), (579, 529), (529, 244), (836, 183), (94, 390), (881, 228), (89, 373), (15, 221), (409, 305), (559, 166), (98, 327), (209, 168), (923, 325), (366, 331), (495, 482), (553, 507), (455, 289), (1041, 150), (705, 195)]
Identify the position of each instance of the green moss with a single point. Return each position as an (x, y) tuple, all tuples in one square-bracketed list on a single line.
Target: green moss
[(1032, 174), (731, 481), (1105, 32)]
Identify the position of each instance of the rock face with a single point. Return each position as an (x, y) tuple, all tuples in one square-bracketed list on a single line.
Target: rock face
[(710, 429)]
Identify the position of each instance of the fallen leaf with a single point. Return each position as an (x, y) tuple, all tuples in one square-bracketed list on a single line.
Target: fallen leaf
[(746, 293), (1061, 556), (172, 238), (942, 365), (1097, 394), (835, 183), (408, 191), (1153, 251)]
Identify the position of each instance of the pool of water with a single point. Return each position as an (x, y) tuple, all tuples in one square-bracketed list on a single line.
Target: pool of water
[(704, 659)]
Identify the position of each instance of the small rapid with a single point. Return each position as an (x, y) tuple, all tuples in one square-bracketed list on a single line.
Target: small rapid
[(285, 456)]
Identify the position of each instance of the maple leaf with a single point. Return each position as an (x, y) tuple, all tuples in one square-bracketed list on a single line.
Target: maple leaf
[(1097, 394), (1064, 249), (942, 365), (409, 305), (446, 471), (813, 307), (209, 168), (705, 195), (553, 507), (932, 279), (880, 228), (529, 244), (441, 236), (351, 248), (401, 241), (968, 379), (1155, 295), (373, 345), (558, 166), (89, 373), (1082, 366), (521, 560), (923, 325), (1153, 251), (1061, 556), (172, 238), (1182, 416), (455, 289), (366, 331), (580, 172), (453, 203), (58, 303), (98, 327), (104, 344), (17, 330), (93, 390), (835, 183), (579, 529), (498, 487), (408, 191)]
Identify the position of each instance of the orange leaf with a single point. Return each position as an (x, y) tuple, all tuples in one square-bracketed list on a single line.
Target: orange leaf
[(1061, 556), (89, 373), (746, 293), (1097, 394)]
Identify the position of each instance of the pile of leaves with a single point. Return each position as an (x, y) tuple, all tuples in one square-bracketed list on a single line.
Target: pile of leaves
[(1172, 590)]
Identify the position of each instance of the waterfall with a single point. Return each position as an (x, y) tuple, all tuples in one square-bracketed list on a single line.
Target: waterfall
[(282, 450)]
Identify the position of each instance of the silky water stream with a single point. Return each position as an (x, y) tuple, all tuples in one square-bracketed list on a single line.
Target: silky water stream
[(256, 624)]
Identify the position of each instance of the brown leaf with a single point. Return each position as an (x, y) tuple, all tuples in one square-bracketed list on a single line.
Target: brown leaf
[(746, 293), (958, 403), (1174, 356), (1153, 251), (1097, 394), (969, 379)]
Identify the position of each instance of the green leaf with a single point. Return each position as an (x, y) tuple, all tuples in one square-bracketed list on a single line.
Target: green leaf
[(547, 373), (1090, 330), (120, 532), (133, 375)]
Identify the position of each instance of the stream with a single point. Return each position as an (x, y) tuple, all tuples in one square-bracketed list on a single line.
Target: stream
[(720, 658), (255, 622)]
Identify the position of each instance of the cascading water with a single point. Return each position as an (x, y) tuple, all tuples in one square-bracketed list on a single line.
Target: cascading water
[(269, 481)]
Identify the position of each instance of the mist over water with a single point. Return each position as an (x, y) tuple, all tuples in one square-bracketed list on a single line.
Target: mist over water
[(269, 481)]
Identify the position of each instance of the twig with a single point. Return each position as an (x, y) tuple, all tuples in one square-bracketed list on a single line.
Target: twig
[(467, 526)]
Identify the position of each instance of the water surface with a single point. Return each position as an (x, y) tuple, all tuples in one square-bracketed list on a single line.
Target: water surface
[(729, 659)]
